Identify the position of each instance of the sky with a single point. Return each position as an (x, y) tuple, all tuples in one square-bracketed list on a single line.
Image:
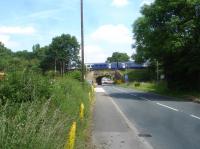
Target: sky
[(107, 24)]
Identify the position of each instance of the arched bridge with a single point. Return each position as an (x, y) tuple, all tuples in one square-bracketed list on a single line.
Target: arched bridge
[(97, 75)]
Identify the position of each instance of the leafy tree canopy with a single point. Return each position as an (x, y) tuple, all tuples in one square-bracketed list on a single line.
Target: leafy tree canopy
[(118, 57), (62, 53), (169, 32)]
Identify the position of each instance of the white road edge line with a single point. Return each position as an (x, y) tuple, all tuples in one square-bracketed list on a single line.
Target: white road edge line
[(167, 106), (130, 125), (195, 116)]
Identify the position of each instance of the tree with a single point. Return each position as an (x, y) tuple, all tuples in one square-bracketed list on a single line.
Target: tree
[(169, 32), (62, 53), (5, 57), (24, 54), (118, 57)]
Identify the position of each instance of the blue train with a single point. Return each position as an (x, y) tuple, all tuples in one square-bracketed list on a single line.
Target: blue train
[(115, 65)]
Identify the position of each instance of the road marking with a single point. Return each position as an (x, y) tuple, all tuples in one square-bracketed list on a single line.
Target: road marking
[(167, 106), (99, 90), (195, 116), (130, 125)]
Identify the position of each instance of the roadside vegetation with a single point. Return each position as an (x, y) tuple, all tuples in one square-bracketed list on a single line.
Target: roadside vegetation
[(145, 80), (168, 40), (168, 37), (37, 105), (162, 89)]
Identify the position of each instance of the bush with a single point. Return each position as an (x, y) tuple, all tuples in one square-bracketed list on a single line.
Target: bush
[(137, 84), (139, 75), (24, 86), (74, 75)]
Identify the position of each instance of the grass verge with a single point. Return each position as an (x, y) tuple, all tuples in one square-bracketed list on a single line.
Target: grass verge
[(43, 123), (161, 88)]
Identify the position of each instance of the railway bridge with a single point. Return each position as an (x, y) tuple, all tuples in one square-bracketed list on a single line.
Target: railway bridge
[(97, 75)]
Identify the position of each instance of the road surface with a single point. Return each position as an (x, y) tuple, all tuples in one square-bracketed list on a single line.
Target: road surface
[(129, 119)]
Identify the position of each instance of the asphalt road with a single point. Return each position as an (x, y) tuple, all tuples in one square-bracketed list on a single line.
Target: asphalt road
[(163, 122)]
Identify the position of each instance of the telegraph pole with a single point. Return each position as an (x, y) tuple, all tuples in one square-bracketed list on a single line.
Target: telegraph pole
[(157, 71), (82, 44)]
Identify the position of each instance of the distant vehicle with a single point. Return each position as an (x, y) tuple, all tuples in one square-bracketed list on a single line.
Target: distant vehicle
[(107, 81)]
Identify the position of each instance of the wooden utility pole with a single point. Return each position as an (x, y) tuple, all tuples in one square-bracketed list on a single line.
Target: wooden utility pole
[(157, 71), (82, 44)]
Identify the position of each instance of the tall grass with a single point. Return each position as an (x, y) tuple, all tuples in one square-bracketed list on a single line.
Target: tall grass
[(43, 123), (32, 125)]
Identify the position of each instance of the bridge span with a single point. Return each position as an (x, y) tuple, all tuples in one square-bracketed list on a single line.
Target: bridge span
[(97, 75)]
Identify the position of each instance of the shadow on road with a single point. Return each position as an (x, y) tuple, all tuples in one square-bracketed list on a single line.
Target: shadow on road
[(138, 96)]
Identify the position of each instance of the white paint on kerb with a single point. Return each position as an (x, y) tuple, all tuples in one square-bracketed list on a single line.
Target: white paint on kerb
[(99, 90)]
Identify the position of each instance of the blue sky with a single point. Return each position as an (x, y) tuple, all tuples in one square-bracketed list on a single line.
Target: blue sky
[(107, 24)]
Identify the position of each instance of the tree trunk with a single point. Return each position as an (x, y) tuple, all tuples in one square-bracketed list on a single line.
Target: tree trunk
[(63, 67), (55, 69)]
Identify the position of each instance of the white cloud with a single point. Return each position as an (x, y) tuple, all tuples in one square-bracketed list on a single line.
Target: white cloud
[(94, 54), (6, 40), (147, 2), (108, 39), (113, 34), (120, 3), (17, 30)]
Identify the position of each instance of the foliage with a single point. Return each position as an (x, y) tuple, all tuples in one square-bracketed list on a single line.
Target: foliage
[(63, 52), (169, 32), (139, 75), (5, 56), (118, 57), (43, 123), (24, 86), (36, 111), (17, 61), (32, 125), (161, 88), (74, 74)]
